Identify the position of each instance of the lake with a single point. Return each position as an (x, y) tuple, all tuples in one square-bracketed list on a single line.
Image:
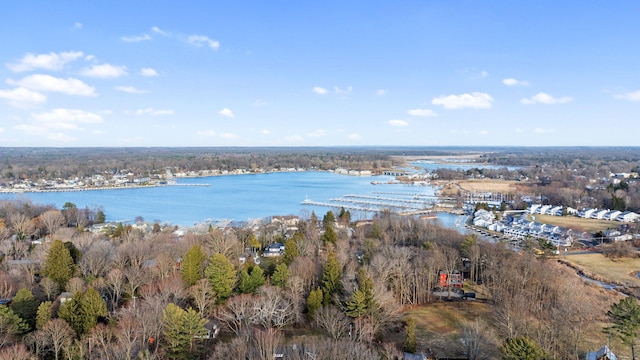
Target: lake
[(233, 197)]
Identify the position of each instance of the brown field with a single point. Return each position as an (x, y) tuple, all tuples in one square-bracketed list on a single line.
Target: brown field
[(620, 271), (452, 188), (576, 223), (438, 325)]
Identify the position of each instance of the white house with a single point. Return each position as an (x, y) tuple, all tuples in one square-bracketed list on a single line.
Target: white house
[(628, 216)]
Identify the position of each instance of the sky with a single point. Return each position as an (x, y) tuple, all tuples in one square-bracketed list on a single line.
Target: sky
[(319, 73)]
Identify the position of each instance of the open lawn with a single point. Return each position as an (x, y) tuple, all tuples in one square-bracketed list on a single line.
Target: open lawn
[(576, 223), (438, 325), (451, 188), (621, 271)]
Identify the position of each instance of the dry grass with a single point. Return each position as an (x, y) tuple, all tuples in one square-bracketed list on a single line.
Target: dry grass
[(621, 271), (451, 188), (576, 223), (438, 325)]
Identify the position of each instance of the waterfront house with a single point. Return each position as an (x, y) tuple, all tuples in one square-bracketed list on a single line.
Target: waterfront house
[(628, 216)]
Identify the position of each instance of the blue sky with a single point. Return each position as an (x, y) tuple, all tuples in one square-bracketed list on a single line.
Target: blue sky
[(298, 73)]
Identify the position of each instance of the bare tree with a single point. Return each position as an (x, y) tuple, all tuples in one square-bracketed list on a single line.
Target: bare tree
[(49, 287), (116, 280), (476, 338), (128, 334), (97, 259), (333, 321), (16, 352), (265, 343), (52, 220), (57, 334), (203, 297), (271, 308), (22, 226), (237, 313)]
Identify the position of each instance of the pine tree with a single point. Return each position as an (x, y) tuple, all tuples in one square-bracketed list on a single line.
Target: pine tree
[(59, 265), (71, 312), (329, 235), (44, 314), (314, 301), (361, 302), (24, 304), (331, 276), (625, 316), (410, 340), (192, 265), (290, 251), (328, 219), (221, 275), (521, 348), (251, 280), (10, 323), (92, 307), (280, 275), (183, 330)]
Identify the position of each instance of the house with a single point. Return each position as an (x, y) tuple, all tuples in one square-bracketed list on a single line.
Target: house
[(599, 214), (249, 254), (603, 354), (272, 250), (628, 216), (611, 215), (586, 213)]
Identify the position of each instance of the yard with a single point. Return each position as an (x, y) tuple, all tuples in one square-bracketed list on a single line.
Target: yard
[(576, 223), (620, 271)]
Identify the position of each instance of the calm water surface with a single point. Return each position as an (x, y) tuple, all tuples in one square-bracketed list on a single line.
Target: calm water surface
[(234, 197)]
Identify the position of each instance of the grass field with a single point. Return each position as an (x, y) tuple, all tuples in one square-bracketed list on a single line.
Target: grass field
[(576, 223), (451, 188), (618, 271), (438, 325)]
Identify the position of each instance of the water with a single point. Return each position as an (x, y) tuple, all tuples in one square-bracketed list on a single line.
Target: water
[(233, 197)]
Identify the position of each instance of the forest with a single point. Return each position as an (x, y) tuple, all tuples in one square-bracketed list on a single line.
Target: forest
[(337, 291)]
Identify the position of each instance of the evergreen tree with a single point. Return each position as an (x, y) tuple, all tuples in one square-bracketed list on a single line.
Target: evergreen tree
[(183, 331), (10, 323), (331, 275), (290, 251), (59, 265), (314, 301), (328, 219), (44, 314), (100, 217), (625, 316), (251, 280), (329, 235), (410, 340), (280, 275), (521, 348), (356, 306), (376, 231), (24, 304), (70, 312), (361, 302), (221, 275), (93, 308), (73, 251), (192, 265)]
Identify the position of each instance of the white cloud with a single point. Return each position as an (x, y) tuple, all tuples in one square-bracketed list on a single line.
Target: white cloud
[(1, 130), (201, 40), (259, 103), (343, 91), (149, 72), (396, 122), (135, 38), (319, 90), (354, 137), (514, 82), (66, 118), (265, 132), (228, 136), (226, 112), (543, 131), (21, 97), (483, 132), (50, 61), (130, 90), (382, 92), (206, 133), (475, 100), (152, 111), (157, 30), (42, 82), (105, 71), (317, 133), (544, 98), (631, 96), (422, 112), (483, 73), (77, 25), (519, 130)]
